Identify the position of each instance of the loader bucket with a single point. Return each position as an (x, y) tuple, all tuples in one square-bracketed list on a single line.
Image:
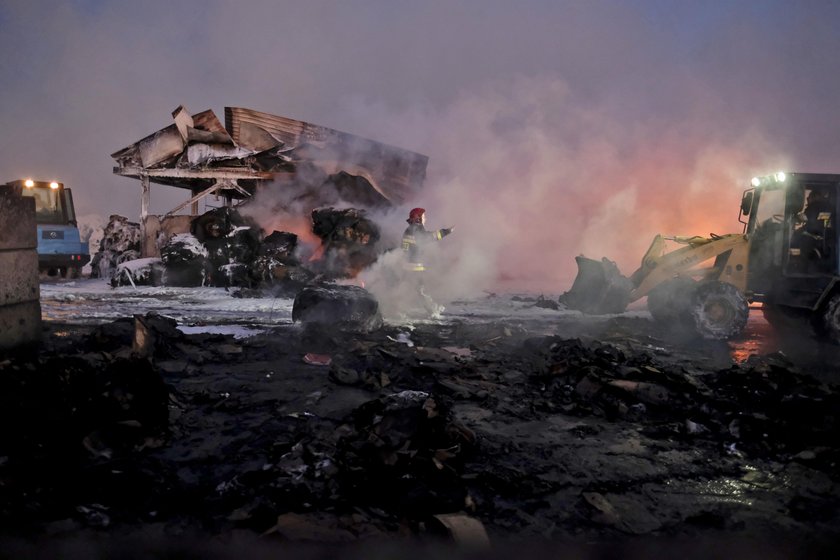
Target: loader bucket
[(599, 288)]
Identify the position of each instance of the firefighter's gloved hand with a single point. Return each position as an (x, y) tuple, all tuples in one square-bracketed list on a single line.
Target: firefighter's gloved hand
[(446, 231)]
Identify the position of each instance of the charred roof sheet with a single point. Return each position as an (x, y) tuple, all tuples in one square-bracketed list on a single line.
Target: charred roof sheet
[(258, 142)]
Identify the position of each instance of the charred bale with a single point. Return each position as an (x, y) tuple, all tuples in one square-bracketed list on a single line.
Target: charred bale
[(138, 272), (233, 258), (232, 244), (349, 240), (186, 261), (280, 245), (278, 266), (344, 307), (217, 223), (283, 280), (120, 243)]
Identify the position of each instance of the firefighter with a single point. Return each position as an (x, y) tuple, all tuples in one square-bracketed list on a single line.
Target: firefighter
[(414, 239)]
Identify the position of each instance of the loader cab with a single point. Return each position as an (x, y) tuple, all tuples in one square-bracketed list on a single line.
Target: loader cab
[(812, 240), (792, 227)]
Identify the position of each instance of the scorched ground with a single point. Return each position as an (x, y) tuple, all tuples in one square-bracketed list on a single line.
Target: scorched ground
[(228, 421)]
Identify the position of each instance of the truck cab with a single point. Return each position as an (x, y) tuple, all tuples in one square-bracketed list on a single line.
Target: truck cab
[(60, 248)]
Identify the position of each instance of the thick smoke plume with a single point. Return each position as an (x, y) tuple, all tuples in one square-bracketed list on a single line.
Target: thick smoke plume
[(531, 177)]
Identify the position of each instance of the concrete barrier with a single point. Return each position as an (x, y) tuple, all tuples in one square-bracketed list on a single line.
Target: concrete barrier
[(20, 293)]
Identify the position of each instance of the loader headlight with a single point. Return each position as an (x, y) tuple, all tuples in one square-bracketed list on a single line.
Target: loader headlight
[(756, 182), (780, 176), (29, 183), (54, 185)]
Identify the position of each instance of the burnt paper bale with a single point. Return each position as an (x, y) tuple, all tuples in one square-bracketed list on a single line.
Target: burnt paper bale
[(280, 245), (186, 261), (232, 244), (232, 258), (284, 280), (345, 307), (120, 243), (138, 272), (233, 274), (349, 240), (217, 224), (277, 264)]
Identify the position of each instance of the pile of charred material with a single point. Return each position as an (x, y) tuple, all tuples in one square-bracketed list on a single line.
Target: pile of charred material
[(226, 249), (299, 173), (120, 243), (476, 431)]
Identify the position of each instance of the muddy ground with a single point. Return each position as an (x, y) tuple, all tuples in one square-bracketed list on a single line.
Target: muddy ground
[(615, 432)]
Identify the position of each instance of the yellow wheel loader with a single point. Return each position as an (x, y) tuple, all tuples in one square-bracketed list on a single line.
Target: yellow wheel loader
[(786, 258)]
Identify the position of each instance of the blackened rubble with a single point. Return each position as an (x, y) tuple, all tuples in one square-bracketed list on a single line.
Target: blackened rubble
[(120, 243), (536, 437), (225, 249), (349, 241), (287, 169)]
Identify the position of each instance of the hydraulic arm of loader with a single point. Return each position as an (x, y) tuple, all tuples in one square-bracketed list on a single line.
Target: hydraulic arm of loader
[(600, 288), (659, 266)]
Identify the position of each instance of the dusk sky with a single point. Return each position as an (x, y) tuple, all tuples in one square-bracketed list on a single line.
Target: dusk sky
[(547, 122)]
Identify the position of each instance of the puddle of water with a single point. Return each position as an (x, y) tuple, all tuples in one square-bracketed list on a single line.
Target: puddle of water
[(758, 338)]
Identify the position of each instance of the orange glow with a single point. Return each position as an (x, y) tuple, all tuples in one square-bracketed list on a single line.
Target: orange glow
[(317, 253), (300, 226)]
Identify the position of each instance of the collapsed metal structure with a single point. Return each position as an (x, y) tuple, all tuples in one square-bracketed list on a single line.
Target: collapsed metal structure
[(254, 150)]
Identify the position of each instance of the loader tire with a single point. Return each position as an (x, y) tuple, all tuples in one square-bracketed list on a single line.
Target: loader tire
[(719, 310), (827, 325), (670, 301)]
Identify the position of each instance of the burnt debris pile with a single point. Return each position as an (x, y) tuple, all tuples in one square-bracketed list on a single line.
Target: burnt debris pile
[(764, 406), (226, 249), (349, 241), (120, 243), (324, 433), (347, 307)]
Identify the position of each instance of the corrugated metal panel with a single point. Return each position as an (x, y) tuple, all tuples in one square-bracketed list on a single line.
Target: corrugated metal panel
[(397, 173), (207, 120), (292, 132)]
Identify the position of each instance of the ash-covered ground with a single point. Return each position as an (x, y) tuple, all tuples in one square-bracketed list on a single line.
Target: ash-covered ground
[(233, 425)]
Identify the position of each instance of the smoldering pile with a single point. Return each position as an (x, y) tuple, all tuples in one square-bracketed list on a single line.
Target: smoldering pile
[(120, 243), (226, 249), (763, 406)]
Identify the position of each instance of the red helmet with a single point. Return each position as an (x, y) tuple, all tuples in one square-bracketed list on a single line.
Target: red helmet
[(416, 215)]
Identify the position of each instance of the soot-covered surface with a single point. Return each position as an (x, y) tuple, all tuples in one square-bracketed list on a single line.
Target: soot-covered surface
[(546, 429)]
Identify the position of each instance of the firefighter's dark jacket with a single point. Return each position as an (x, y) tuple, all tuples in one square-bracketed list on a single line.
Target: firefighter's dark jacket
[(413, 239)]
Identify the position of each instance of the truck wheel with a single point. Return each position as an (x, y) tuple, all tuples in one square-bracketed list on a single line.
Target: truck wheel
[(670, 301), (719, 310)]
